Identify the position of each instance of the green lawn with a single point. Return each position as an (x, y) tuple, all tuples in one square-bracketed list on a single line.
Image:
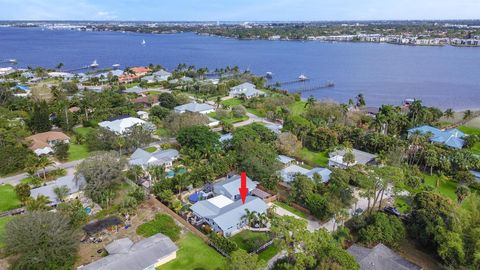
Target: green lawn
[(298, 107), (250, 241), (162, 223), (3, 222), (83, 131), (315, 158), (268, 253), (401, 204), (162, 132), (469, 130), (290, 209), (447, 188), (151, 149), (193, 253), (77, 151), (256, 112), (8, 198), (232, 102), (229, 120)]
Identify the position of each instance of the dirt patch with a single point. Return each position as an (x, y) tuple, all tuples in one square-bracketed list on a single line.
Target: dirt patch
[(89, 252), (419, 257), (475, 122)]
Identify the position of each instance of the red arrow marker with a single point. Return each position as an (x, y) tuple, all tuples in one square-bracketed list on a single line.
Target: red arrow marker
[(243, 186)]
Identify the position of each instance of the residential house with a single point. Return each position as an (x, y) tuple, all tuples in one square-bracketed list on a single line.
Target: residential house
[(147, 254), (140, 71), (22, 91), (453, 138), (74, 184), (194, 107), (288, 173), (213, 122), (275, 128), (149, 79), (286, 160), (380, 258), (147, 101), (224, 215), (162, 75), (229, 187), (361, 157), (66, 76), (120, 126), (44, 143), (247, 89), (161, 157), (134, 90)]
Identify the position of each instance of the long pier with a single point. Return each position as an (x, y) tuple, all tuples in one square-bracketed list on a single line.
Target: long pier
[(289, 82), (315, 87)]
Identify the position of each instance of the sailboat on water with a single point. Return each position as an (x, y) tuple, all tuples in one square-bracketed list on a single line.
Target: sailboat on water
[(144, 42), (94, 64)]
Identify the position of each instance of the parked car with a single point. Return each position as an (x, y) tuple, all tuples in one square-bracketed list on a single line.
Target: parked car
[(392, 211)]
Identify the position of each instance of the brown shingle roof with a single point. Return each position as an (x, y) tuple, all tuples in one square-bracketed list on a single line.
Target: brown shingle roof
[(41, 140)]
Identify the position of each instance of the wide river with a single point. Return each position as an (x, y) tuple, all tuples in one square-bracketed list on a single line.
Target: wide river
[(446, 77)]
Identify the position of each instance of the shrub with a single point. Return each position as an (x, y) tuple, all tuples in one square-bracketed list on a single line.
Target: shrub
[(225, 244), (162, 223), (384, 229)]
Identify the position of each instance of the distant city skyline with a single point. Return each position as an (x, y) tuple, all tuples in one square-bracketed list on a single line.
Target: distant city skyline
[(239, 10)]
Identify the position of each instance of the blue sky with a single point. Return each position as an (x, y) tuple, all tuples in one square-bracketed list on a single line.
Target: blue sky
[(237, 10)]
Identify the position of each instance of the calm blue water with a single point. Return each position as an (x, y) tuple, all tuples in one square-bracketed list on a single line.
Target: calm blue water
[(446, 77)]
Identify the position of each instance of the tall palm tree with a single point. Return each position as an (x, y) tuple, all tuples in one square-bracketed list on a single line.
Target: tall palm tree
[(449, 113), (467, 114), (44, 162), (40, 203)]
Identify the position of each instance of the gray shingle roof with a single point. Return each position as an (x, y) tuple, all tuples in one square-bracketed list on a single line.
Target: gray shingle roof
[(194, 107), (380, 258), (361, 157), (134, 257), (144, 158)]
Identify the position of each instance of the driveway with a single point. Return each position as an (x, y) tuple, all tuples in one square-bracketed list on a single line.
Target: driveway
[(312, 225)]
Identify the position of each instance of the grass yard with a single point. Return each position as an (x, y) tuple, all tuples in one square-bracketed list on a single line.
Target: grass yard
[(8, 198), (77, 151), (250, 241), (230, 119), (232, 102), (297, 108), (162, 132), (402, 205), (3, 222), (83, 131), (151, 149), (290, 209), (268, 253), (193, 253), (161, 224), (469, 130), (314, 158), (256, 112), (447, 188)]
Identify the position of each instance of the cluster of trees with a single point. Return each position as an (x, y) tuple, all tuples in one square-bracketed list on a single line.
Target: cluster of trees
[(308, 250)]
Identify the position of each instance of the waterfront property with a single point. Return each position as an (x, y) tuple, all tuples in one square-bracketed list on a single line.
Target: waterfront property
[(245, 89), (360, 157), (380, 257), (158, 158), (224, 215), (453, 138), (146, 254), (44, 143), (195, 108), (72, 183)]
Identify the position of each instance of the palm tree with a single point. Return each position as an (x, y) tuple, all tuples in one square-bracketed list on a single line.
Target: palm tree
[(44, 162), (137, 171), (249, 217), (449, 113), (61, 192), (32, 165), (40, 203), (467, 114), (60, 65), (360, 100), (157, 173), (218, 101), (462, 192), (310, 101)]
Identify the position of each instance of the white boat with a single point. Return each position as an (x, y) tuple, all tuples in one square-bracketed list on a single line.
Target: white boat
[(116, 65), (94, 64), (143, 42), (302, 77), (13, 61)]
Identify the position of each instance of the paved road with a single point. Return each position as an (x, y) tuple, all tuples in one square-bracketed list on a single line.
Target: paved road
[(15, 179)]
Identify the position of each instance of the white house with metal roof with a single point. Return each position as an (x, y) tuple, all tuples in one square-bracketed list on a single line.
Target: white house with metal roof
[(247, 89), (194, 107), (361, 157), (147, 254), (225, 215), (120, 126), (162, 75), (288, 173), (229, 187), (161, 157)]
